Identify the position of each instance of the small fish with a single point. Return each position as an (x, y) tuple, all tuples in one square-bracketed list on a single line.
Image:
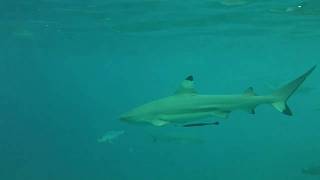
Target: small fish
[(314, 171), (201, 124), (109, 136)]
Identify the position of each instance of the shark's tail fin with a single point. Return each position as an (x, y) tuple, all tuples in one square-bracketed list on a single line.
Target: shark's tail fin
[(283, 94)]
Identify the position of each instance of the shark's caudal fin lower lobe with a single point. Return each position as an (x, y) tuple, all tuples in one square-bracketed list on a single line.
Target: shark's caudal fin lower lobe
[(285, 92)]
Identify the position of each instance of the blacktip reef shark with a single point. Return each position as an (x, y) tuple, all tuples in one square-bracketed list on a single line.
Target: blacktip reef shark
[(186, 105)]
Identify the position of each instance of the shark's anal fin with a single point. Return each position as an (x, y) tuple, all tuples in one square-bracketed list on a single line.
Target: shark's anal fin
[(159, 122), (186, 86), (249, 92)]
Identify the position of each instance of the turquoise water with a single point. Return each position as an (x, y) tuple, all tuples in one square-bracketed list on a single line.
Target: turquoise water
[(69, 69)]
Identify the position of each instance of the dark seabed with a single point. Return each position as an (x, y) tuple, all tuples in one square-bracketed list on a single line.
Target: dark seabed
[(70, 68)]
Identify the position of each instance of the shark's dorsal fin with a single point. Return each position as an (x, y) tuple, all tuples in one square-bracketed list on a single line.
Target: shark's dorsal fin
[(186, 86), (249, 92)]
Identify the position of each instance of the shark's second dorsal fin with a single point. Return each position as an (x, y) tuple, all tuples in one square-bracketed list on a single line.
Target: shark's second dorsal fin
[(249, 92), (186, 86)]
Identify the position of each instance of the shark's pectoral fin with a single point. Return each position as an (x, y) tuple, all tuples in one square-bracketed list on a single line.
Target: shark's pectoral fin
[(159, 122), (186, 86), (221, 114)]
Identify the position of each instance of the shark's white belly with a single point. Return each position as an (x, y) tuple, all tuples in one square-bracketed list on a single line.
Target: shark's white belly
[(186, 117)]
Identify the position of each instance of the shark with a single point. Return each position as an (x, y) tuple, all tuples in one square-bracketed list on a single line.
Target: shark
[(186, 105)]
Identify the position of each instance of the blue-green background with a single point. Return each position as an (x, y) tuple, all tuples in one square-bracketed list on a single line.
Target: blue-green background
[(69, 68)]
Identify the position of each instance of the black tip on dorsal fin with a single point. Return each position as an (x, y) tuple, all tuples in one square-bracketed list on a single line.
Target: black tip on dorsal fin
[(189, 78)]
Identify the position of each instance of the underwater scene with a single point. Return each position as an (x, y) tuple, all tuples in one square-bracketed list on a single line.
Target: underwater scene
[(159, 90)]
